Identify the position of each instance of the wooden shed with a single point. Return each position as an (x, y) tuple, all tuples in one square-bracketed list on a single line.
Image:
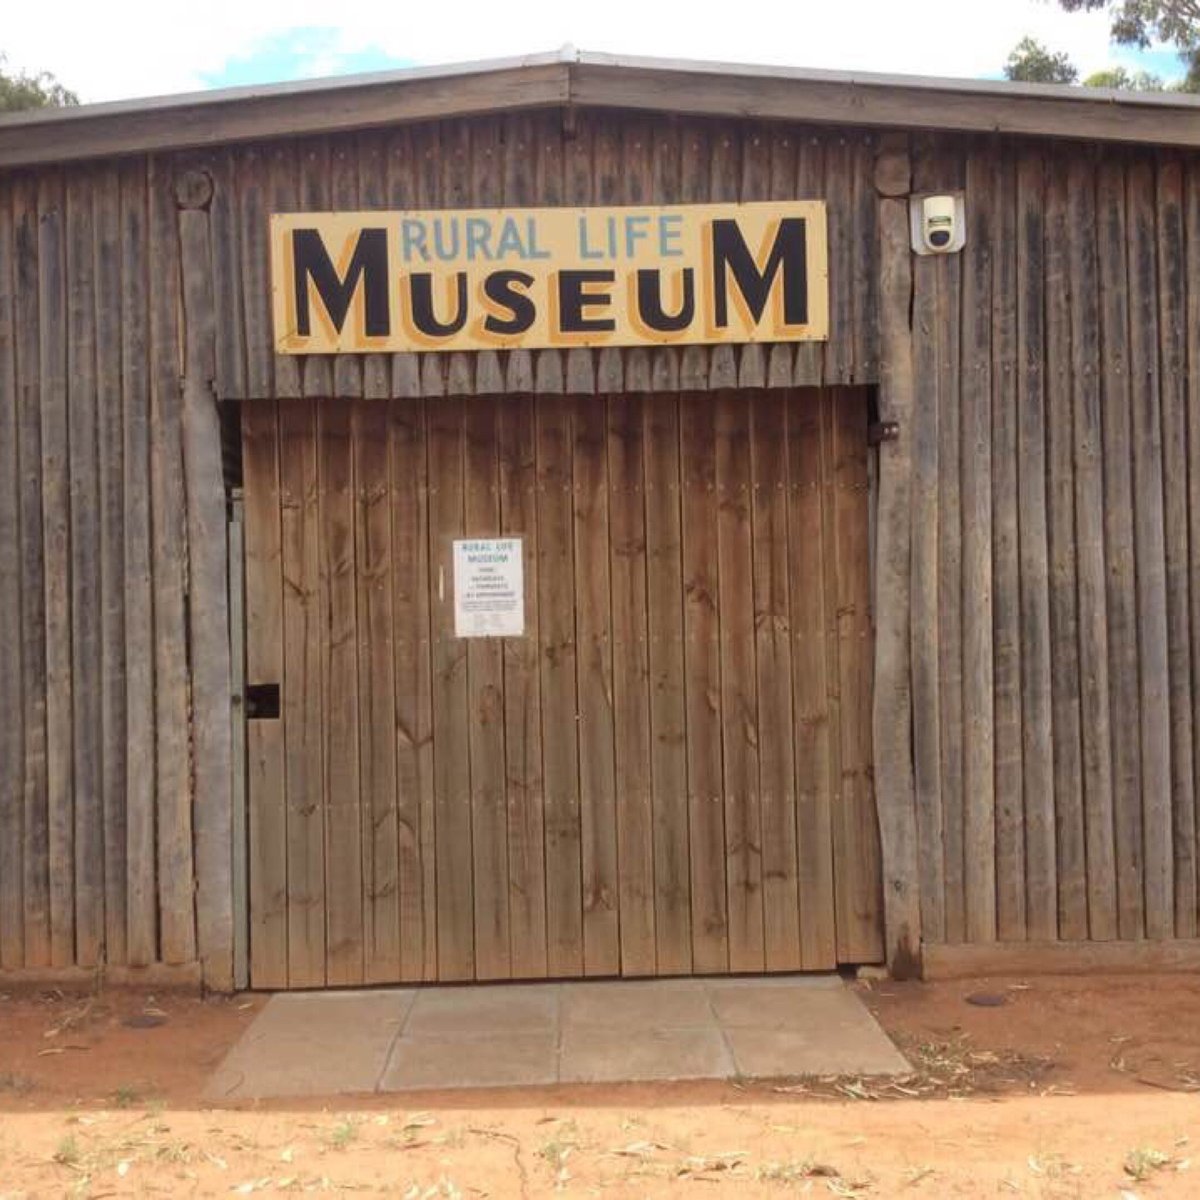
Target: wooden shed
[(875, 638)]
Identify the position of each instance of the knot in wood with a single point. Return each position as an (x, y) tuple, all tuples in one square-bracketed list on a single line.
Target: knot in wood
[(193, 189)]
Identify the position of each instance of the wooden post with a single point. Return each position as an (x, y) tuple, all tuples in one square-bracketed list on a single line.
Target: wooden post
[(12, 713), (929, 327), (208, 610), (237, 747), (168, 561), (892, 718)]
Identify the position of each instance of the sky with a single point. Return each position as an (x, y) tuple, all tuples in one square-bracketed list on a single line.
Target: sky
[(117, 49)]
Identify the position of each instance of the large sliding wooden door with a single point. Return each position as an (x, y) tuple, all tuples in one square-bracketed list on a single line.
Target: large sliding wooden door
[(669, 774)]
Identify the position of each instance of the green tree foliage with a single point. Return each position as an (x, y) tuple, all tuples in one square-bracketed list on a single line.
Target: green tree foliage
[(1122, 80), (1031, 62), (1145, 23), (20, 91)]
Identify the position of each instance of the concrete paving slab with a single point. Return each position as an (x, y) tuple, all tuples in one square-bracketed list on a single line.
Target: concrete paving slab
[(637, 1005), (320, 1014), (328, 1043), (310, 1044), (777, 1053), (513, 1008), (594, 1054), (825, 982), (513, 1060), (770, 1006)]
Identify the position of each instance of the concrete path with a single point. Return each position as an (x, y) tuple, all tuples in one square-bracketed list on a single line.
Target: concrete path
[(391, 1040)]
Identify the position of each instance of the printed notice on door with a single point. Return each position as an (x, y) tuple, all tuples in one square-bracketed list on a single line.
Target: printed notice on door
[(489, 588)]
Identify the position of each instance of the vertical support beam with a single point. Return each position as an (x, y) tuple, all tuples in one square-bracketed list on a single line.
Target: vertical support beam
[(930, 322), (169, 567), (208, 578), (892, 714), (237, 748)]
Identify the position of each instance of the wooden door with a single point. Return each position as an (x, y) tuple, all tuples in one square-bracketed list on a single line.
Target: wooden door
[(669, 774)]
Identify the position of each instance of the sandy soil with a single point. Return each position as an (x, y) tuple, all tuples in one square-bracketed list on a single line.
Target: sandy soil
[(1066, 1088)]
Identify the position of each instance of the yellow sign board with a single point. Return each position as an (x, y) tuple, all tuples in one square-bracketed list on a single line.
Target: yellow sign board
[(355, 283)]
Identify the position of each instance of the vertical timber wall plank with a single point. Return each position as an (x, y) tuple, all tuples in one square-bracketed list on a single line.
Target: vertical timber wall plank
[(1125, 742), (631, 676), (702, 663), (1086, 402), (738, 697), (946, 169), (773, 659), (12, 706), (344, 815), (35, 881), (265, 744), (810, 185), (929, 272), (1192, 400), (374, 567), (631, 650), (595, 176), (485, 699), (115, 781), (892, 705), (556, 656), (525, 791), (1062, 556), (227, 279), (979, 786), (702, 676), (865, 274), (839, 349), (668, 731), (208, 611), (856, 834), (593, 619), (84, 487), (280, 167), (1041, 865), (1005, 567), (1150, 552), (176, 880), (1172, 303), (303, 616), (53, 406), (142, 890), (413, 675), (451, 755), (810, 560)]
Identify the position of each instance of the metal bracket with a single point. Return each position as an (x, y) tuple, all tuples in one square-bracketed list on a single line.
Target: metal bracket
[(879, 432)]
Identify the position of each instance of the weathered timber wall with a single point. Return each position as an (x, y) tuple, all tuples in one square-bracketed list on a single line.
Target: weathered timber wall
[(99, 836), (1036, 566), (130, 296), (1055, 573), (537, 160)]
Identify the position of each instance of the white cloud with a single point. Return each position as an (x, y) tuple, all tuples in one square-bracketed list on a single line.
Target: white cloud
[(146, 47)]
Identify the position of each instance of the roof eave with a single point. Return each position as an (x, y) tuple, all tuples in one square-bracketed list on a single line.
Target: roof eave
[(596, 80), (197, 122)]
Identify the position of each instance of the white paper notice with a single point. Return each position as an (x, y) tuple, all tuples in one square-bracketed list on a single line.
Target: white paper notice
[(489, 588)]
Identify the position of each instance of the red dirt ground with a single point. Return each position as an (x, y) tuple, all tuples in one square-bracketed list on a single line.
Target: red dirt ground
[(1069, 1088)]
